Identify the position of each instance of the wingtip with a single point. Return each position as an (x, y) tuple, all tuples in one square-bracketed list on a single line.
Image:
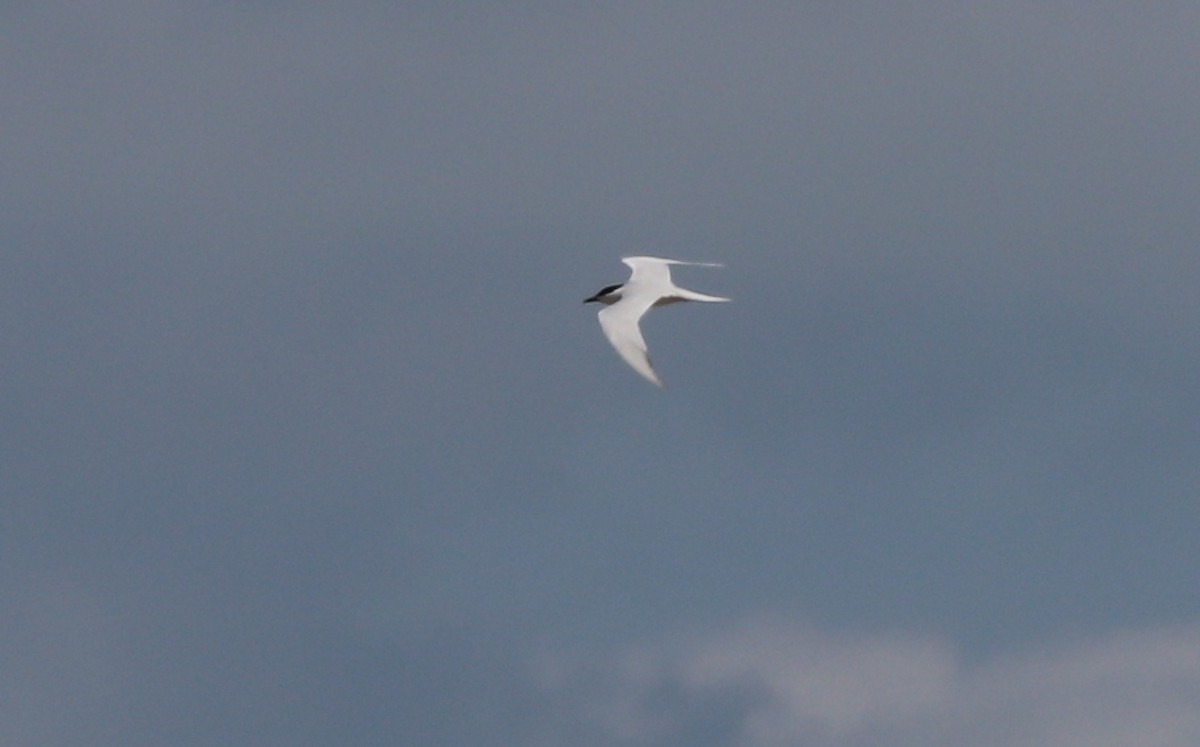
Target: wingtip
[(669, 261), (653, 377)]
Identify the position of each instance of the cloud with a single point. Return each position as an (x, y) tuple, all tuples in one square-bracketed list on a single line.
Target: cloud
[(769, 683)]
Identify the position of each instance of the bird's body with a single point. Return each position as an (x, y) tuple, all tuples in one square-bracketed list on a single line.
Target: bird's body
[(649, 285)]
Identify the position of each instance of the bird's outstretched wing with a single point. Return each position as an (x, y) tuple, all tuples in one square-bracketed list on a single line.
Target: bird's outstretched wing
[(620, 325), (656, 270)]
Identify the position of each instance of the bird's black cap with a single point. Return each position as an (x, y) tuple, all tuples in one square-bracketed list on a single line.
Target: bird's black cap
[(603, 292)]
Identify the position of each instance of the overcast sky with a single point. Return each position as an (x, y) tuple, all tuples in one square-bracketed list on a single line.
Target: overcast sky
[(308, 440)]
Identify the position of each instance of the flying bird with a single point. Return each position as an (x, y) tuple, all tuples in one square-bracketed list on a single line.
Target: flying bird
[(649, 284)]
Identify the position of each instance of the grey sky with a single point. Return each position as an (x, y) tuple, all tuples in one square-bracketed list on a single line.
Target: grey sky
[(308, 439)]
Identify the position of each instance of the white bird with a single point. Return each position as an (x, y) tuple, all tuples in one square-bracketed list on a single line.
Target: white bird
[(648, 285)]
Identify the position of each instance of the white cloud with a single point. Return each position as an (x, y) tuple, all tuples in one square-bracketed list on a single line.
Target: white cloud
[(771, 683)]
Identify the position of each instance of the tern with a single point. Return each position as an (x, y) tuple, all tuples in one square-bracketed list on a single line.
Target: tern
[(649, 285)]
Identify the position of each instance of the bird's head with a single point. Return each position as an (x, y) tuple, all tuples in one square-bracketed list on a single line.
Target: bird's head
[(609, 294)]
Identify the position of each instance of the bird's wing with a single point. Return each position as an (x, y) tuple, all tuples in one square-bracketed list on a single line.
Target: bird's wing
[(620, 325), (655, 272), (652, 271)]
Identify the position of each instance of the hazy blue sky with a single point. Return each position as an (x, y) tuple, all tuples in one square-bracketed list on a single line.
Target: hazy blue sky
[(308, 440)]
